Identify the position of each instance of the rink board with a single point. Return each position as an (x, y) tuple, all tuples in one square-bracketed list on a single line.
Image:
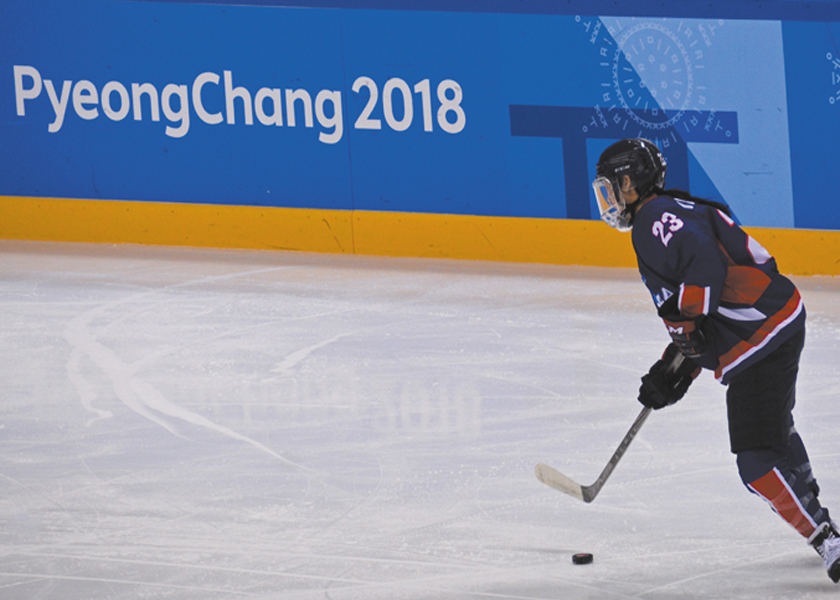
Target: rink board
[(411, 128), (550, 241)]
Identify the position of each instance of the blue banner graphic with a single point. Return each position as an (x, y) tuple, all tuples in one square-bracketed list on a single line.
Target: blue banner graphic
[(474, 113)]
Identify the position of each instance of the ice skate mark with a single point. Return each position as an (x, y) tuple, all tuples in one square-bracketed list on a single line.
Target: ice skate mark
[(328, 481), (78, 335), (124, 582), (152, 398), (152, 357), (201, 568), (296, 357), (139, 396), (736, 566), (235, 275), (149, 306), (525, 384), (85, 390), (36, 494)]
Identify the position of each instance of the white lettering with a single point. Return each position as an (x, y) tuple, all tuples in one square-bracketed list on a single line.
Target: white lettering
[(84, 93), (149, 90), (21, 93), (209, 118), (329, 122), (293, 96), (276, 117), (451, 105), (273, 107), (388, 106), (365, 121), (182, 115), (125, 105), (59, 105), (231, 94)]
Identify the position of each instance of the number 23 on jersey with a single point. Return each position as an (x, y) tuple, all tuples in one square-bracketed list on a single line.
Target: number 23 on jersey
[(665, 227)]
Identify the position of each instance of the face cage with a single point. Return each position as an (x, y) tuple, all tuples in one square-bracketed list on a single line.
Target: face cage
[(613, 211)]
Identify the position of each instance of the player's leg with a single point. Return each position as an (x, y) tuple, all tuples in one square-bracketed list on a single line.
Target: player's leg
[(788, 486), (777, 476), (772, 459)]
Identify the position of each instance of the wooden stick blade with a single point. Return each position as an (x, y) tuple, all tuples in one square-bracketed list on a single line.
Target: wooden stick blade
[(554, 478)]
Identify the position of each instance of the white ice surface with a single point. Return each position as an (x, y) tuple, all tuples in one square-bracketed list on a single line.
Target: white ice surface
[(197, 424)]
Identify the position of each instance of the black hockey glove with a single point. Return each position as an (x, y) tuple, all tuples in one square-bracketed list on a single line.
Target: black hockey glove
[(666, 382), (685, 333)]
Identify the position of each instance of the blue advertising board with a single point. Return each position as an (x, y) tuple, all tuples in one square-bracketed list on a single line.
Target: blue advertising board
[(467, 112)]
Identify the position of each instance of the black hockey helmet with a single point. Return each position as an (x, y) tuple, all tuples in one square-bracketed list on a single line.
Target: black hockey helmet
[(642, 161)]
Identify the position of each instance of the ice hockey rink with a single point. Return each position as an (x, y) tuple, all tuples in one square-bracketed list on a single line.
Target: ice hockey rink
[(207, 425)]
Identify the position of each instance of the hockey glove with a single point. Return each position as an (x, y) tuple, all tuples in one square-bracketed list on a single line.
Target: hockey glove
[(666, 383), (685, 333)]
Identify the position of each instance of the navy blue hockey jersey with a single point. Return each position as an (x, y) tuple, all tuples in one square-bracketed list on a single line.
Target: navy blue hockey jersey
[(722, 276)]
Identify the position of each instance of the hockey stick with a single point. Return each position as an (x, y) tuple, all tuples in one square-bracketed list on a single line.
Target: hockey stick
[(554, 478)]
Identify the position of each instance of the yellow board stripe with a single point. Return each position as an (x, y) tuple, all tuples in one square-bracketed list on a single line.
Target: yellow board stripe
[(175, 224), (512, 239), (553, 241)]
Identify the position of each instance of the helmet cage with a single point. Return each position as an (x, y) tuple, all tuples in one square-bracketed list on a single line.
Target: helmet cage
[(611, 206)]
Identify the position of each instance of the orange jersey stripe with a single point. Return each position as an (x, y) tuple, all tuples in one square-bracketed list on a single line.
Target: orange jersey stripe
[(694, 301), (764, 334), (744, 285)]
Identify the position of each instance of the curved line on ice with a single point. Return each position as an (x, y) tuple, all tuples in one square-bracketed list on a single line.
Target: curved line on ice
[(85, 390), (132, 391), (296, 357)]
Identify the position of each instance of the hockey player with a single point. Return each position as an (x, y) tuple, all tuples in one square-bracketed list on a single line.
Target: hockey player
[(727, 309)]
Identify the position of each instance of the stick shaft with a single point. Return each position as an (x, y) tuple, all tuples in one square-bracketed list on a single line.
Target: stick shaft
[(554, 478), (619, 452)]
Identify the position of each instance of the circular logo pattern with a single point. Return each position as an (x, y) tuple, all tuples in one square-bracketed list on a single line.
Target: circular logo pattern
[(651, 74)]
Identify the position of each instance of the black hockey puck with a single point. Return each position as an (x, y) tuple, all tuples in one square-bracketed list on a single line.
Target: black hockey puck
[(582, 558)]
